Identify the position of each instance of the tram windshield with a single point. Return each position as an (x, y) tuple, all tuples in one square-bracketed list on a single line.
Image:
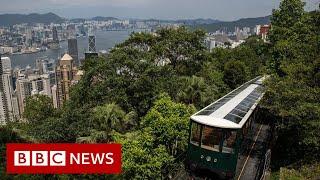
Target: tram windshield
[(229, 141), (211, 138)]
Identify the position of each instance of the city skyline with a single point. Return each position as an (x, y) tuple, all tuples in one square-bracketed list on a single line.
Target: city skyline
[(146, 9)]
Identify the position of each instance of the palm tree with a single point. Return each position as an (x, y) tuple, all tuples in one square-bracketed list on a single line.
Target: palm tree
[(193, 91), (108, 118)]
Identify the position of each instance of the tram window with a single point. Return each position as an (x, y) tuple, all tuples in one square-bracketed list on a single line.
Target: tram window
[(211, 138), (195, 133), (229, 141)]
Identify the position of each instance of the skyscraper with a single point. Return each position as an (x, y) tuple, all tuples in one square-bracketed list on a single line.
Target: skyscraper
[(65, 75), (7, 110), (71, 30), (92, 43), (92, 48), (28, 41), (24, 89), (55, 35), (73, 49)]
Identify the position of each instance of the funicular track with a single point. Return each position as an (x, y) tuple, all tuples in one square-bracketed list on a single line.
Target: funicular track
[(251, 160)]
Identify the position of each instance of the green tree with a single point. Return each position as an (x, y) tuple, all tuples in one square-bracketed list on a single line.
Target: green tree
[(38, 108), (214, 80), (141, 158), (169, 122), (284, 32), (293, 90), (283, 19), (192, 91), (108, 118), (137, 70), (234, 73)]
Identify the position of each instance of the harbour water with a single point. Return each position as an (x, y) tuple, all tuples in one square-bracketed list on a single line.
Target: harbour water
[(104, 41)]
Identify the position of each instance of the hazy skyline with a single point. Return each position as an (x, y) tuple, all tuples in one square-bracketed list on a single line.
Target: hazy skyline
[(160, 9)]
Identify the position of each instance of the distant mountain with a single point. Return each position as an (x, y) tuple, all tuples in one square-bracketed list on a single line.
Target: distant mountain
[(245, 22), (197, 21), (188, 22), (12, 19), (100, 18), (77, 20), (97, 18)]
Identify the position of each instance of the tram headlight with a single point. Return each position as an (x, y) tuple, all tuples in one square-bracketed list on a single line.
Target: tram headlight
[(208, 158)]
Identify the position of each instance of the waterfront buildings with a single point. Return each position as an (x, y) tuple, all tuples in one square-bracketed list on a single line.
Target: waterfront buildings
[(47, 78), (73, 49)]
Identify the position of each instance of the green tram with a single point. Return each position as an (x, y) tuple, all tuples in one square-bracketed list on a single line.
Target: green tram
[(217, 131)]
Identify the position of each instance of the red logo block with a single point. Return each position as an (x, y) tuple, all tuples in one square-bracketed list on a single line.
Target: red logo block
[(63, 158)]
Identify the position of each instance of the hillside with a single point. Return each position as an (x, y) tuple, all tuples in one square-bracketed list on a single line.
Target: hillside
[(101, 18), (197, 21), (12, 19), (245, 22)]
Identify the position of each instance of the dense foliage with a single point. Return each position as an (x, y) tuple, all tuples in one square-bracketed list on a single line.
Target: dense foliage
[(144, 92), (293, 93)]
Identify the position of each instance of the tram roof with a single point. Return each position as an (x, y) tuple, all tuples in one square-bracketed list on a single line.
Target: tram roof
[(234, 109)]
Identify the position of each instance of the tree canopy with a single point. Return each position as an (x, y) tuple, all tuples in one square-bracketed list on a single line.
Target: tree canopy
[(293, 89)]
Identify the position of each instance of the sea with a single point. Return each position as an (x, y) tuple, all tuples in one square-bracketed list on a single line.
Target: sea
[(104, 41)]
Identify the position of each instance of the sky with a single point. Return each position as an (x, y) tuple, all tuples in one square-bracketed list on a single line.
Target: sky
[(160, 9)]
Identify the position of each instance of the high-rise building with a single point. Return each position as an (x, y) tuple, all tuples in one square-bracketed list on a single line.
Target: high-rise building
[(54, 96), (71, 30), (92, 43), (44, 65), (65, 75), (24, 89), (92, 48), (15, 103), (55, 35), (32, 85), (6, 64), (7, 110), (73, 49), (28, 40)]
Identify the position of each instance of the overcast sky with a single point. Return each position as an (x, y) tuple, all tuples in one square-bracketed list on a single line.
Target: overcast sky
[(161, 9)]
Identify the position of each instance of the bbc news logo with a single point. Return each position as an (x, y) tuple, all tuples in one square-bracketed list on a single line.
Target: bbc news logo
[(39, 158), (63, 158)]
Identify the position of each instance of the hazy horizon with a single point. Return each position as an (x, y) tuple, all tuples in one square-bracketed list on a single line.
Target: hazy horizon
[(148, 9)]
